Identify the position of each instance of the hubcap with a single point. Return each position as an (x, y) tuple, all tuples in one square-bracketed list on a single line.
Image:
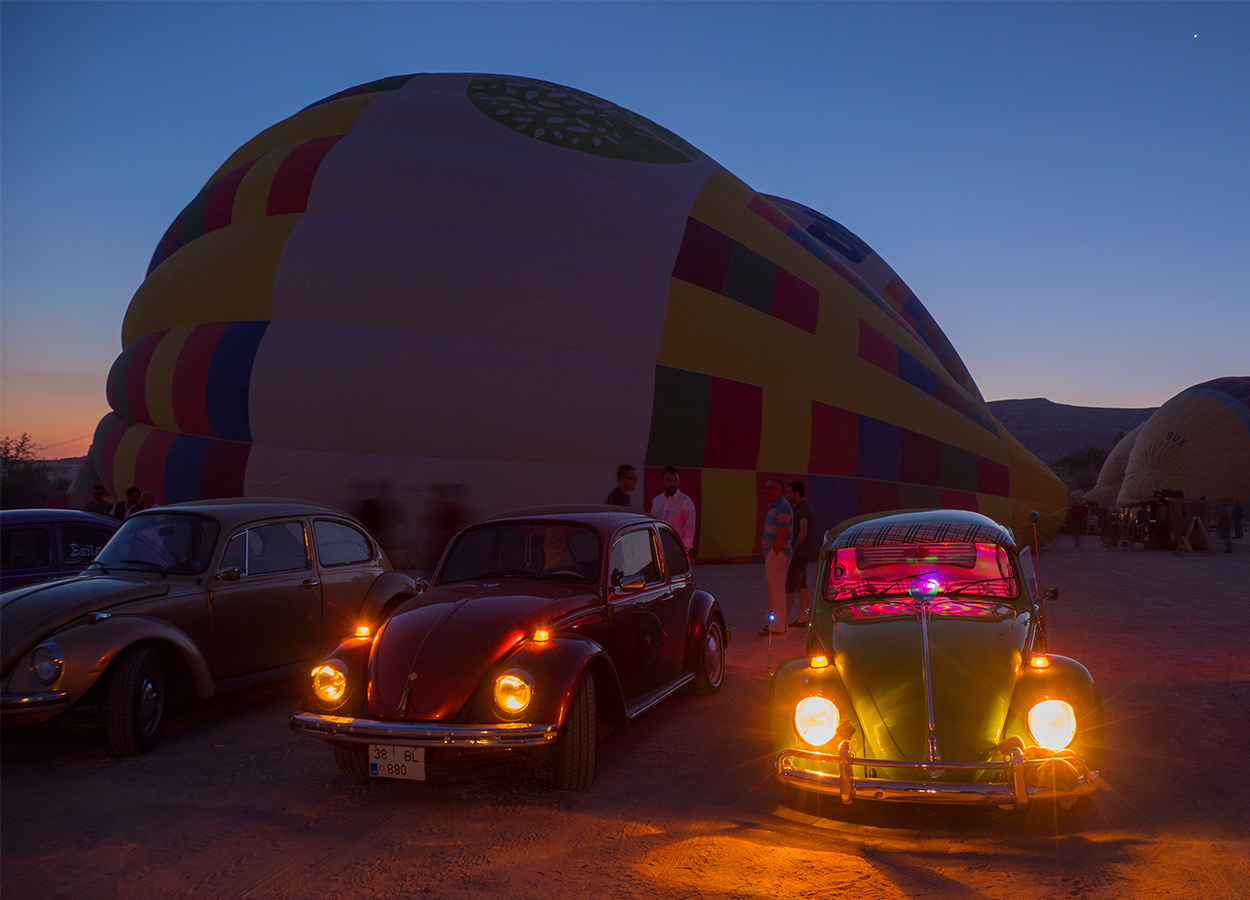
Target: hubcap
[(712, 657), (150, 707)]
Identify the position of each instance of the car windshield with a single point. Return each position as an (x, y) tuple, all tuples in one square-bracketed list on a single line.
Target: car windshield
[(980, 569), (168, 543), (524, 550)]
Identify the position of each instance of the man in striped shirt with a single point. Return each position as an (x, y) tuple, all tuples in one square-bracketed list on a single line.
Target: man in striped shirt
[(776, 555)]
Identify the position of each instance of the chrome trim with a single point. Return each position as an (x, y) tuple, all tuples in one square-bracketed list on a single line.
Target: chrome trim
[(421, 734), (641, 704), (1014, 793), (24, 702)]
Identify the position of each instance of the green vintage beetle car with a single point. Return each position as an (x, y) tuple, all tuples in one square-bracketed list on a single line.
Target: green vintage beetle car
[(198, 598), (927, 677)]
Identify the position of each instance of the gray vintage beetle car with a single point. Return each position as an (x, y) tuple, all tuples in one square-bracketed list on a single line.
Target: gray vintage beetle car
[(201, 597)]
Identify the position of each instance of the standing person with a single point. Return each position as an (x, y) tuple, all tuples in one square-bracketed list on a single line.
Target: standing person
[(129, 505), (804, 529), (97, 504), (675, 508), (626, 481), (147, 500), (776, 555), (1238, 521)]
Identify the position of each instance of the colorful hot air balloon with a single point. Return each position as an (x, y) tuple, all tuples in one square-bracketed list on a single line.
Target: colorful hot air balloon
[(1198, 443), (513, 286)]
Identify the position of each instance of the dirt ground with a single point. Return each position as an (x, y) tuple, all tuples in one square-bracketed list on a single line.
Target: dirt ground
[(231, 804)]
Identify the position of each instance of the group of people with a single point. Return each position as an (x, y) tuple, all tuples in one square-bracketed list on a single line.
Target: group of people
[(135, 501), (789, 528)]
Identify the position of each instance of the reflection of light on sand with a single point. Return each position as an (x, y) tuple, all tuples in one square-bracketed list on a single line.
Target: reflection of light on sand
[(733, 866)]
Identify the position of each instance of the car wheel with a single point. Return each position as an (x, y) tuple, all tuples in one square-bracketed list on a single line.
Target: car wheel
[(354, 761), (709, 670), (575, 745), (136, 702)]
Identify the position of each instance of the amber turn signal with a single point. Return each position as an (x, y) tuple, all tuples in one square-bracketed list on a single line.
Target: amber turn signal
[(362, 631), (1039, 662), (819, 662)]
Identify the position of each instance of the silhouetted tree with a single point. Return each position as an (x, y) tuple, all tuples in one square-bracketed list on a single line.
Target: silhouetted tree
[(24, 481), (1079, 469)]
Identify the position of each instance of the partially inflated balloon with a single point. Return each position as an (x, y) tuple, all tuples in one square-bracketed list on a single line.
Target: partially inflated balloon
[(1198, 443), (513, 286)]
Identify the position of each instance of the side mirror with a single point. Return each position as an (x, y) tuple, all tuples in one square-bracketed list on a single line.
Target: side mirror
[(637, 583), (230, 574), (1052, 594), (422, 585)]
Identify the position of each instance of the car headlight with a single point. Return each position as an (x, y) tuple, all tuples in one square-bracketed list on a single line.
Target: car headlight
[(1052, 724), (513, 691), (329, 683), (47, 662), (816, 720)]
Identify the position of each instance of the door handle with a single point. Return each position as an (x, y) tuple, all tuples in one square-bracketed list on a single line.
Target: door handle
[(309, 582)]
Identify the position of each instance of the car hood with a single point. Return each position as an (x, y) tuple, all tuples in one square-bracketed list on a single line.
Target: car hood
[(433, 652), (29, 614), (975, 654)]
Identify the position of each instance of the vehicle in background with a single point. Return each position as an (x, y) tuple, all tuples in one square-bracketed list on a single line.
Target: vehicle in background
[(43, 544)]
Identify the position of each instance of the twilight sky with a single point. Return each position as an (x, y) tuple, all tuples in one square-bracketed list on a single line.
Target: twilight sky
[(1065, 186)]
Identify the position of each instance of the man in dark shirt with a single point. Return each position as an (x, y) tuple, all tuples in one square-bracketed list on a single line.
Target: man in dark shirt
[(97, 504), (804, 527), (626, 481)]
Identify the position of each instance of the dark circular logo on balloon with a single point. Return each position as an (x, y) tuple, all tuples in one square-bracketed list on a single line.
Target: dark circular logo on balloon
[(575, 120)]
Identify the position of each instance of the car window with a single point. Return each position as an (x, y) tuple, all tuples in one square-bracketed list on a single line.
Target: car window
[(524, 549), (967, 569), (265, 549), (174, 543), (675, 560), (25, 548), (339, 544), (633, 555), (82, 543)]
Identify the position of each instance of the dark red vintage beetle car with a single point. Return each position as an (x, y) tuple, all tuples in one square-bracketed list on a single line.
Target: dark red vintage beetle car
[(538, 625)]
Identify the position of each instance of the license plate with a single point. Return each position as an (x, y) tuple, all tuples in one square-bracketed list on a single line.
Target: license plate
[(391, 761)]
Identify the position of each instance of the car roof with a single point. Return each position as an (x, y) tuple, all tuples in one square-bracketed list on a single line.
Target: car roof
[(603, 518), (237, 510), (53, 517), (917, 526)]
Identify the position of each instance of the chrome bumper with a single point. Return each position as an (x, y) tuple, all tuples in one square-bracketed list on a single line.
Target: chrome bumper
[(1016, 792), (20, 703), (347, 730)]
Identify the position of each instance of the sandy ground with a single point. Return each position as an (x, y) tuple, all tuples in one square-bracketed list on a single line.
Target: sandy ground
[(233, 805)]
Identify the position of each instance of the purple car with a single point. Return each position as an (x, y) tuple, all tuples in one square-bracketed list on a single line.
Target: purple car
[(43, 544)]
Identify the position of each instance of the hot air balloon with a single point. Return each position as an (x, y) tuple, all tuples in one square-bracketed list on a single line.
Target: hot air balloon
[(1112, 472), (513, 286), (1197, 443)]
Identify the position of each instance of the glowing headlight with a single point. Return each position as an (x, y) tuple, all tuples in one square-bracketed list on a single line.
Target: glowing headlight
[(47, 662), (1052, 724), (816, 720), (513, 691), (329, 684)]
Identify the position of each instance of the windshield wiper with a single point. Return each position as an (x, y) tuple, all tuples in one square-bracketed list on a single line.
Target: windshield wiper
[(156, 567), (96, 562), (506, 573), (963, 587), (892, 584), (566, 575)]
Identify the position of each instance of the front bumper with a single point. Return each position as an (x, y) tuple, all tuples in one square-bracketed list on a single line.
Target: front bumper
[(347, 730), (27, 709), (1024, 779)]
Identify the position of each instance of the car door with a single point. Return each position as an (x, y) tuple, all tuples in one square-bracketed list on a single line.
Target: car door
[(270, 614), (348, 563), (676, 611), (641, 603), (26, 555)]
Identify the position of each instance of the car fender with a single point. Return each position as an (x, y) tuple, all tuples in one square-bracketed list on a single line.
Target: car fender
[(1063, 679), (794, 680), (703, 608), (385, 588), (556, 667), (89, 648), (351, 655)]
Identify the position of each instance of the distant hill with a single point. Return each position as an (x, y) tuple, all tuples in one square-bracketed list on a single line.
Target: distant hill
[(1054, 430)]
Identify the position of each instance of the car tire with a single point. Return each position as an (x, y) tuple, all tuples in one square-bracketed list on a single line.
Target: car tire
[(709, 672), (575, 744), (136, 702), (353, 761)]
